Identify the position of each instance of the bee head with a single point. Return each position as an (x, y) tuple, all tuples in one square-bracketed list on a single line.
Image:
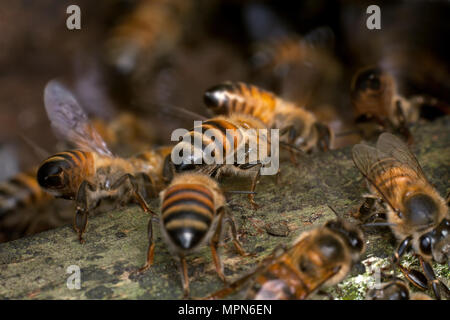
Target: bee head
[(351, 234), (216, 97), (52, 176), (436, 243), (324, 136), (368, 79), (420, 210)]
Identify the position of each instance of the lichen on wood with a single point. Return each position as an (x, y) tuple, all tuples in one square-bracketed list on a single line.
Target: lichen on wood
[(116, 242)]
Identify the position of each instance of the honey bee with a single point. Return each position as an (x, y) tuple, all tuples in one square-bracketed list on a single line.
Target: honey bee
[(298, 127), (21, 207), (193, 212), (150, 30), (319, 258), (242, 151), (378, 105), (92, 172), (125, 132), (299, 65), (21, 190), (416, 213), (395, 289)]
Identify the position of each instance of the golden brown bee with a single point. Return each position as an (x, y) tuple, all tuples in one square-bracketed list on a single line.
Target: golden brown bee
[(299, 65), (150, 30), (21, 190), (395, 289), (417, 214), (125, 132), (91, 173), (21, 207), (193, 211), (378, 105), (319, 258), (298, 126), (234, 145)]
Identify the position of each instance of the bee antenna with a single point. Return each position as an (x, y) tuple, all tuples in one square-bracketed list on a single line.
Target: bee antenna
[(177, 111), (240, 192), (378, 224), (346, 133), (291, 147), (38, 150), (334, 211)]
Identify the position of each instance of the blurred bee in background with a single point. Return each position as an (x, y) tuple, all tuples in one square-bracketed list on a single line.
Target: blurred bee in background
[(193, 212), (378, 105), (300, 65), (395, 289), (24, 207), (152, 29), (91, 173), (319, 258), (298, 127), (227, 138), (417, 214)]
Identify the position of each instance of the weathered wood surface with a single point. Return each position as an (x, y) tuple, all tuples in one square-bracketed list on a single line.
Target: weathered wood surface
[(35, 267)]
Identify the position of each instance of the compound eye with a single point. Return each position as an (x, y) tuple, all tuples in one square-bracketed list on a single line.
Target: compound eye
[(355, 241), (185, 167), (369, 79), (425, 244), (49, 176)]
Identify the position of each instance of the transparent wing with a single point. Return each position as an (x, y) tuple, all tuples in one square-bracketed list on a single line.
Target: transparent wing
[(396, 148), (373, 163), (69, 121)]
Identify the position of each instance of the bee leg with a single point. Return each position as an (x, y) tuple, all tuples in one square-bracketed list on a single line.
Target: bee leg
[(184, 276), (230, 220), (135, 190), (401, 249), (417, 278), (278, 177), (82, 208), (251, 197), (436, 284), (214, 244), (148, 185), (151, 248), (403, 124), (369, 211)]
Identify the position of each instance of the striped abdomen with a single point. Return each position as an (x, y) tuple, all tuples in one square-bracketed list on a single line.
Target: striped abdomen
[(62, 173), (215, 142), (21, 191), (239, 97), (389, 175), (187, 214)]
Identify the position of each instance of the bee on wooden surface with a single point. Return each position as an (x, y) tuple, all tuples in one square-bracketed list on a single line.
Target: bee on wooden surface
[(150, 30), (193, 212), (417, 214), (298, 127), (319, 258), (92, 172), (238, 144), (395, 289), (378, 105)]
